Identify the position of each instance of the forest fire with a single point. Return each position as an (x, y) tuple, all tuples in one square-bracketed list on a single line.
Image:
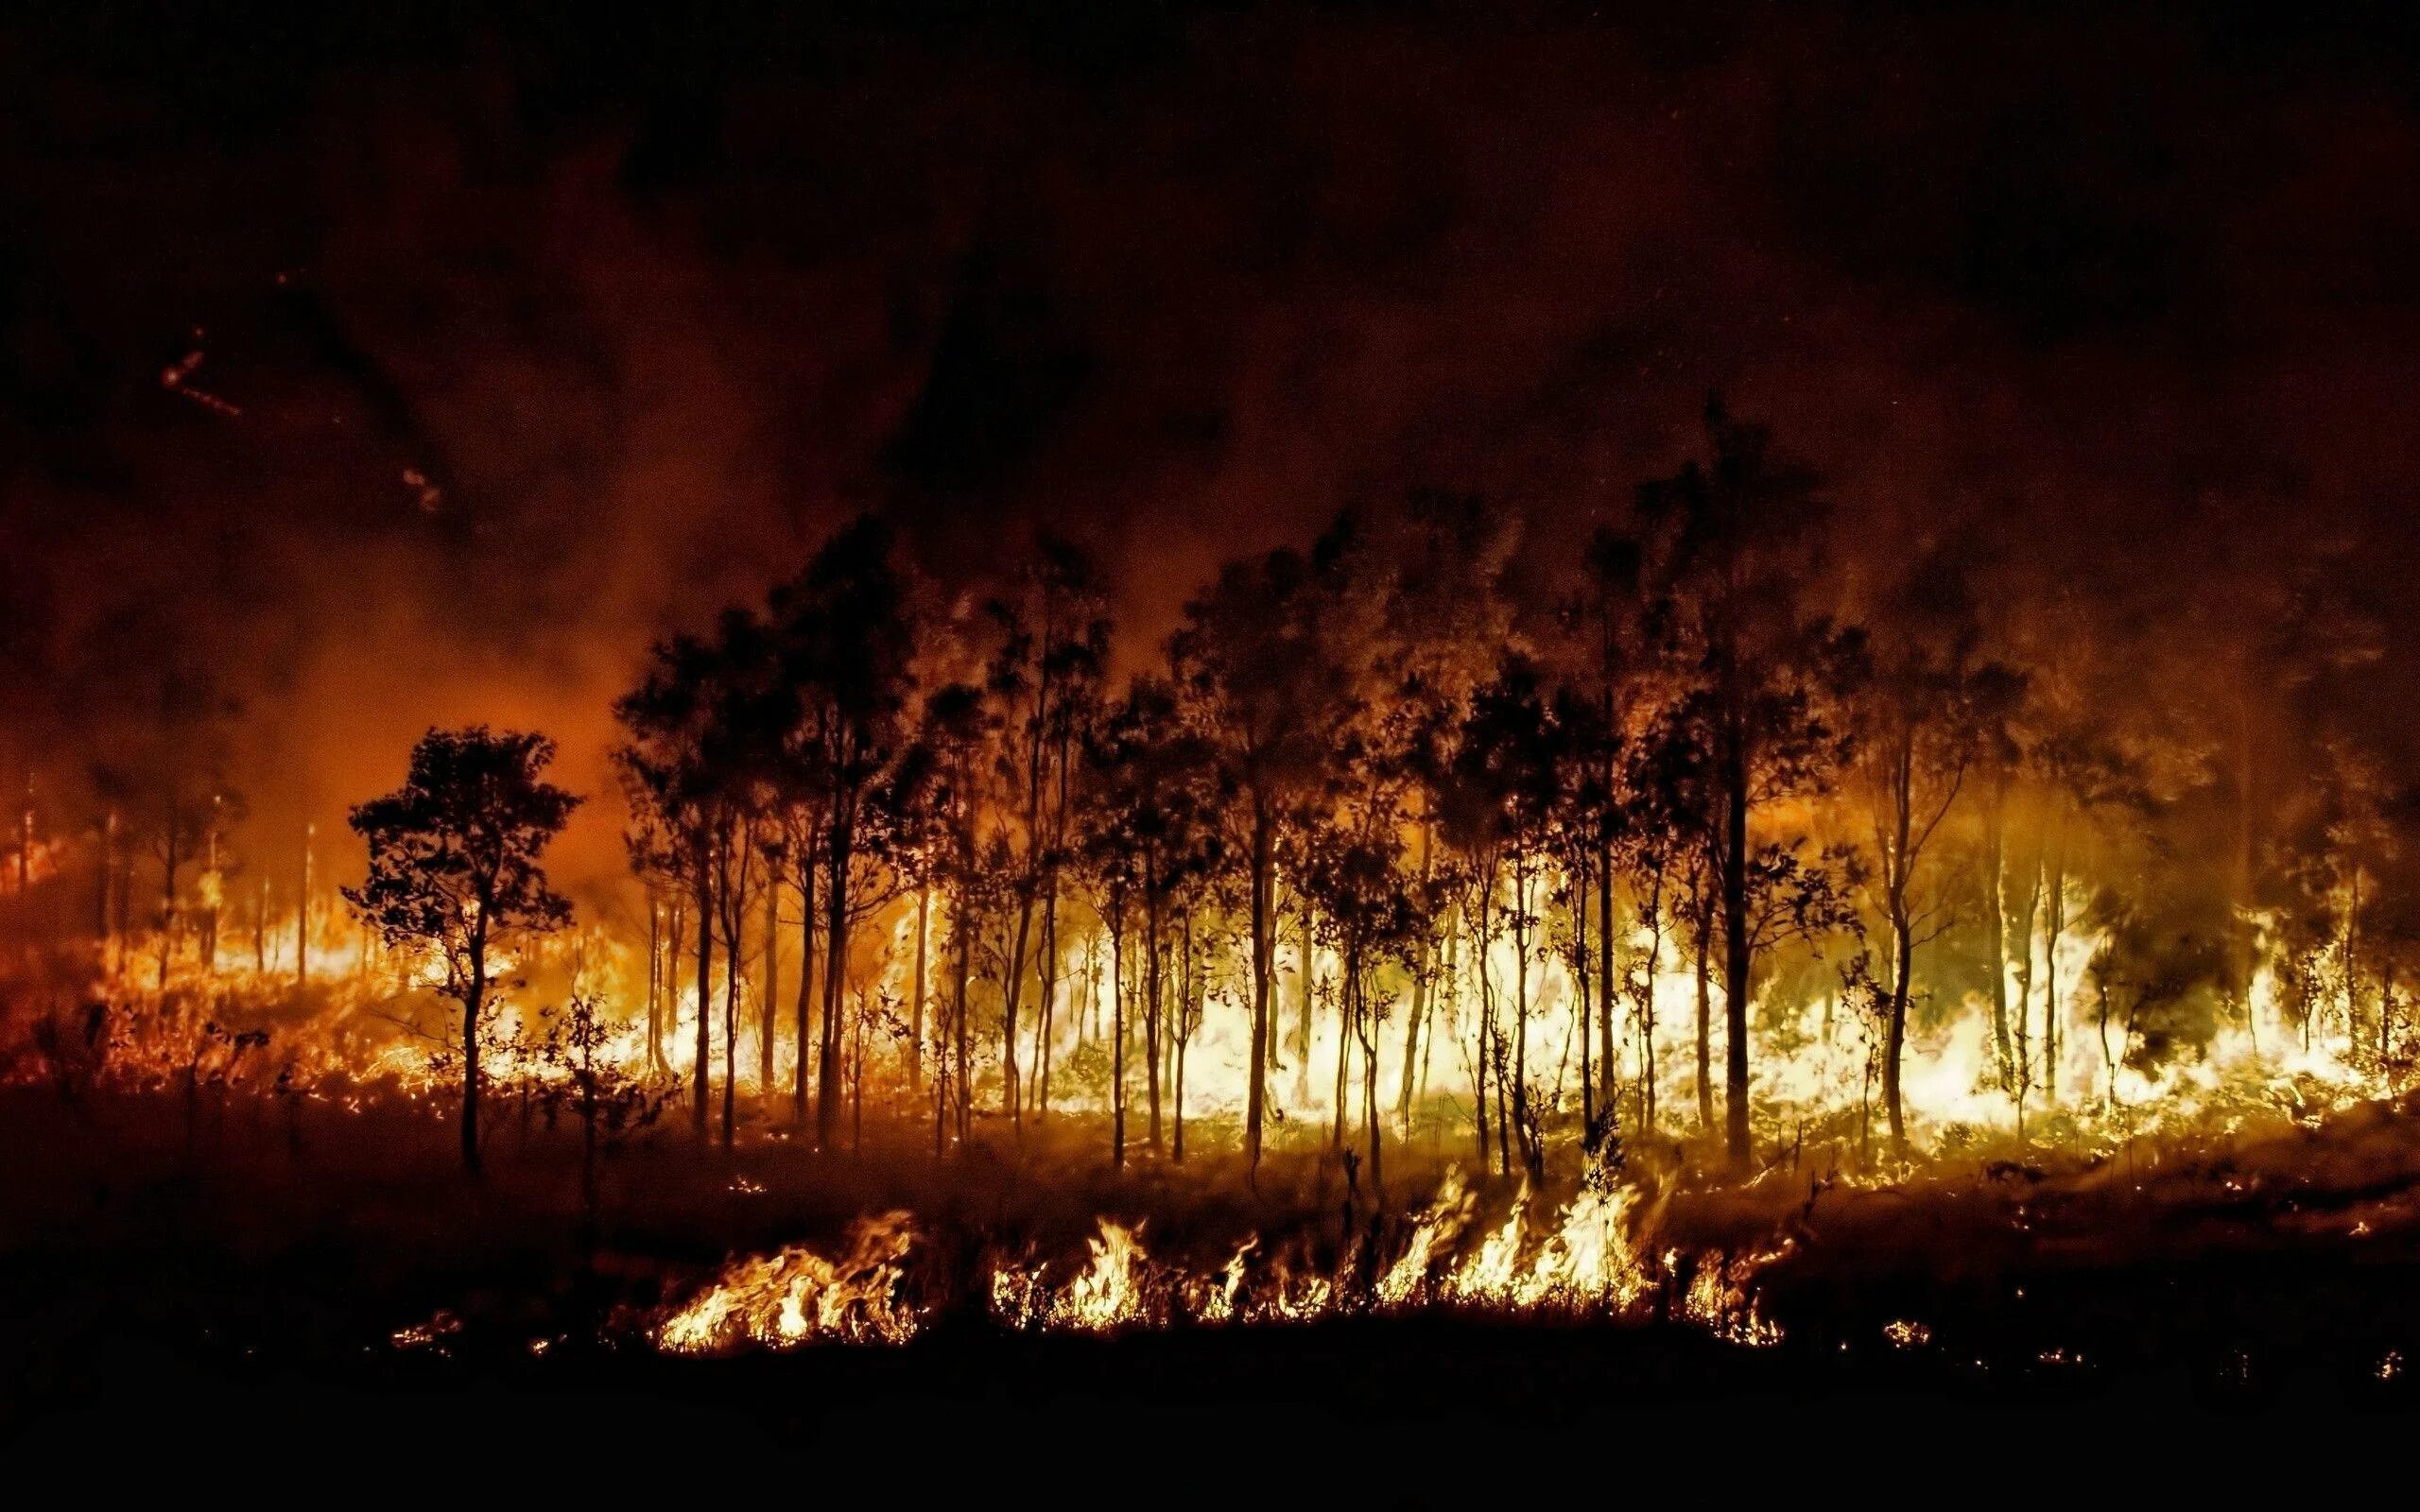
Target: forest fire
[(1149, 708)]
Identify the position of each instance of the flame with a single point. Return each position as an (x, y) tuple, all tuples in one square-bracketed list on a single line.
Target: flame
[(1583, 1261), (797, 1296)]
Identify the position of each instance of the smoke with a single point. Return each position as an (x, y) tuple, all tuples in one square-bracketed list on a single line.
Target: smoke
[(383, 378)]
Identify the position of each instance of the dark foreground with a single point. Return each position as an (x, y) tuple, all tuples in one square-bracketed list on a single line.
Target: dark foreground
[(1409, 1407), (206, 1289)]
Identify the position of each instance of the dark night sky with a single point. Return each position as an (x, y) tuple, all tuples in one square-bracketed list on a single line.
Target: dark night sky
[(648, 306)]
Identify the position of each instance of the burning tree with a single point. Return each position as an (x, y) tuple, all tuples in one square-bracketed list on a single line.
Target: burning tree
[(1736, 538), (453, 868)]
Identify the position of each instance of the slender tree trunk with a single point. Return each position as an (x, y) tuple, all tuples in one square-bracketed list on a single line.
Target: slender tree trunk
[(1706, 1012), (168, 896), (1152, 908), (1010, 991), (1995, 925), (804, 1007), (472, 1004), (1338, 1111), (1737, 990), (1605, 970), (734, 932), (1184, 1012), (1486, 1058), (769, 1012), (301, 911), (1896, 1037), (1047, 1010), (2386, 1009), (2055, 926), (1577, 882), (654, 984), (1256, 1094), (1530, 1155), (1118, 1038), (2352, 965), (1416, 1022), (916, 994), (961, 925), (1370, 1091), (835, 970), (703, 1070), (2239, 930), (1898, 873), (1304, 979)]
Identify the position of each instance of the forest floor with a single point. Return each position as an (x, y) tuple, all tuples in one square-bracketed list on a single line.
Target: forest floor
[(217, 1272)]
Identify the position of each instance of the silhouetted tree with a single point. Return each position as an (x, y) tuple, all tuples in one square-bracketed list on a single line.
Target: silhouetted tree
[(1736, 540), (848, 650), (454, 867)]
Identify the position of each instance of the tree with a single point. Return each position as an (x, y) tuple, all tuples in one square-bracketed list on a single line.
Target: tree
[(1254, 653), (453, 868), (1508, 781), (1374, 908), (1734, 549), (1149, 813), (694, 760), (1045, 676), (847, 646), (939, 836), (1925, 708)]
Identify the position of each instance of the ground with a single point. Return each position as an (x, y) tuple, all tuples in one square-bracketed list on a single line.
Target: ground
[(299, 1269)]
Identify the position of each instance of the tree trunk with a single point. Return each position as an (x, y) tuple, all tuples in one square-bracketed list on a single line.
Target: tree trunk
[(703, 1070), (1184, 1032), (770, 1010), (961, 925), (302, 912), (1705, 1013), (1257, 1093), (804, 1007), (1737, 986), (1337, 1107), (1370, 1093), (2054, 925), (1152, 928), (1486, 1057), (1898, 873), (1605, 971), (1578, 881), (1010, 991), (2353, 965), (916, 994), (1416, 1022), (1530, 1155), (1896, 1035), (1995, 930), (654, 984), (1118, 1038), (1304, 979), (1047, 1012), (472, 1004), (836, 971), (735, 930), (168, 896)]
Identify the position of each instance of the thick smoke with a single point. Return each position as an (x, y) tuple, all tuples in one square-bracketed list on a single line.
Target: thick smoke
[(357, 380)]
